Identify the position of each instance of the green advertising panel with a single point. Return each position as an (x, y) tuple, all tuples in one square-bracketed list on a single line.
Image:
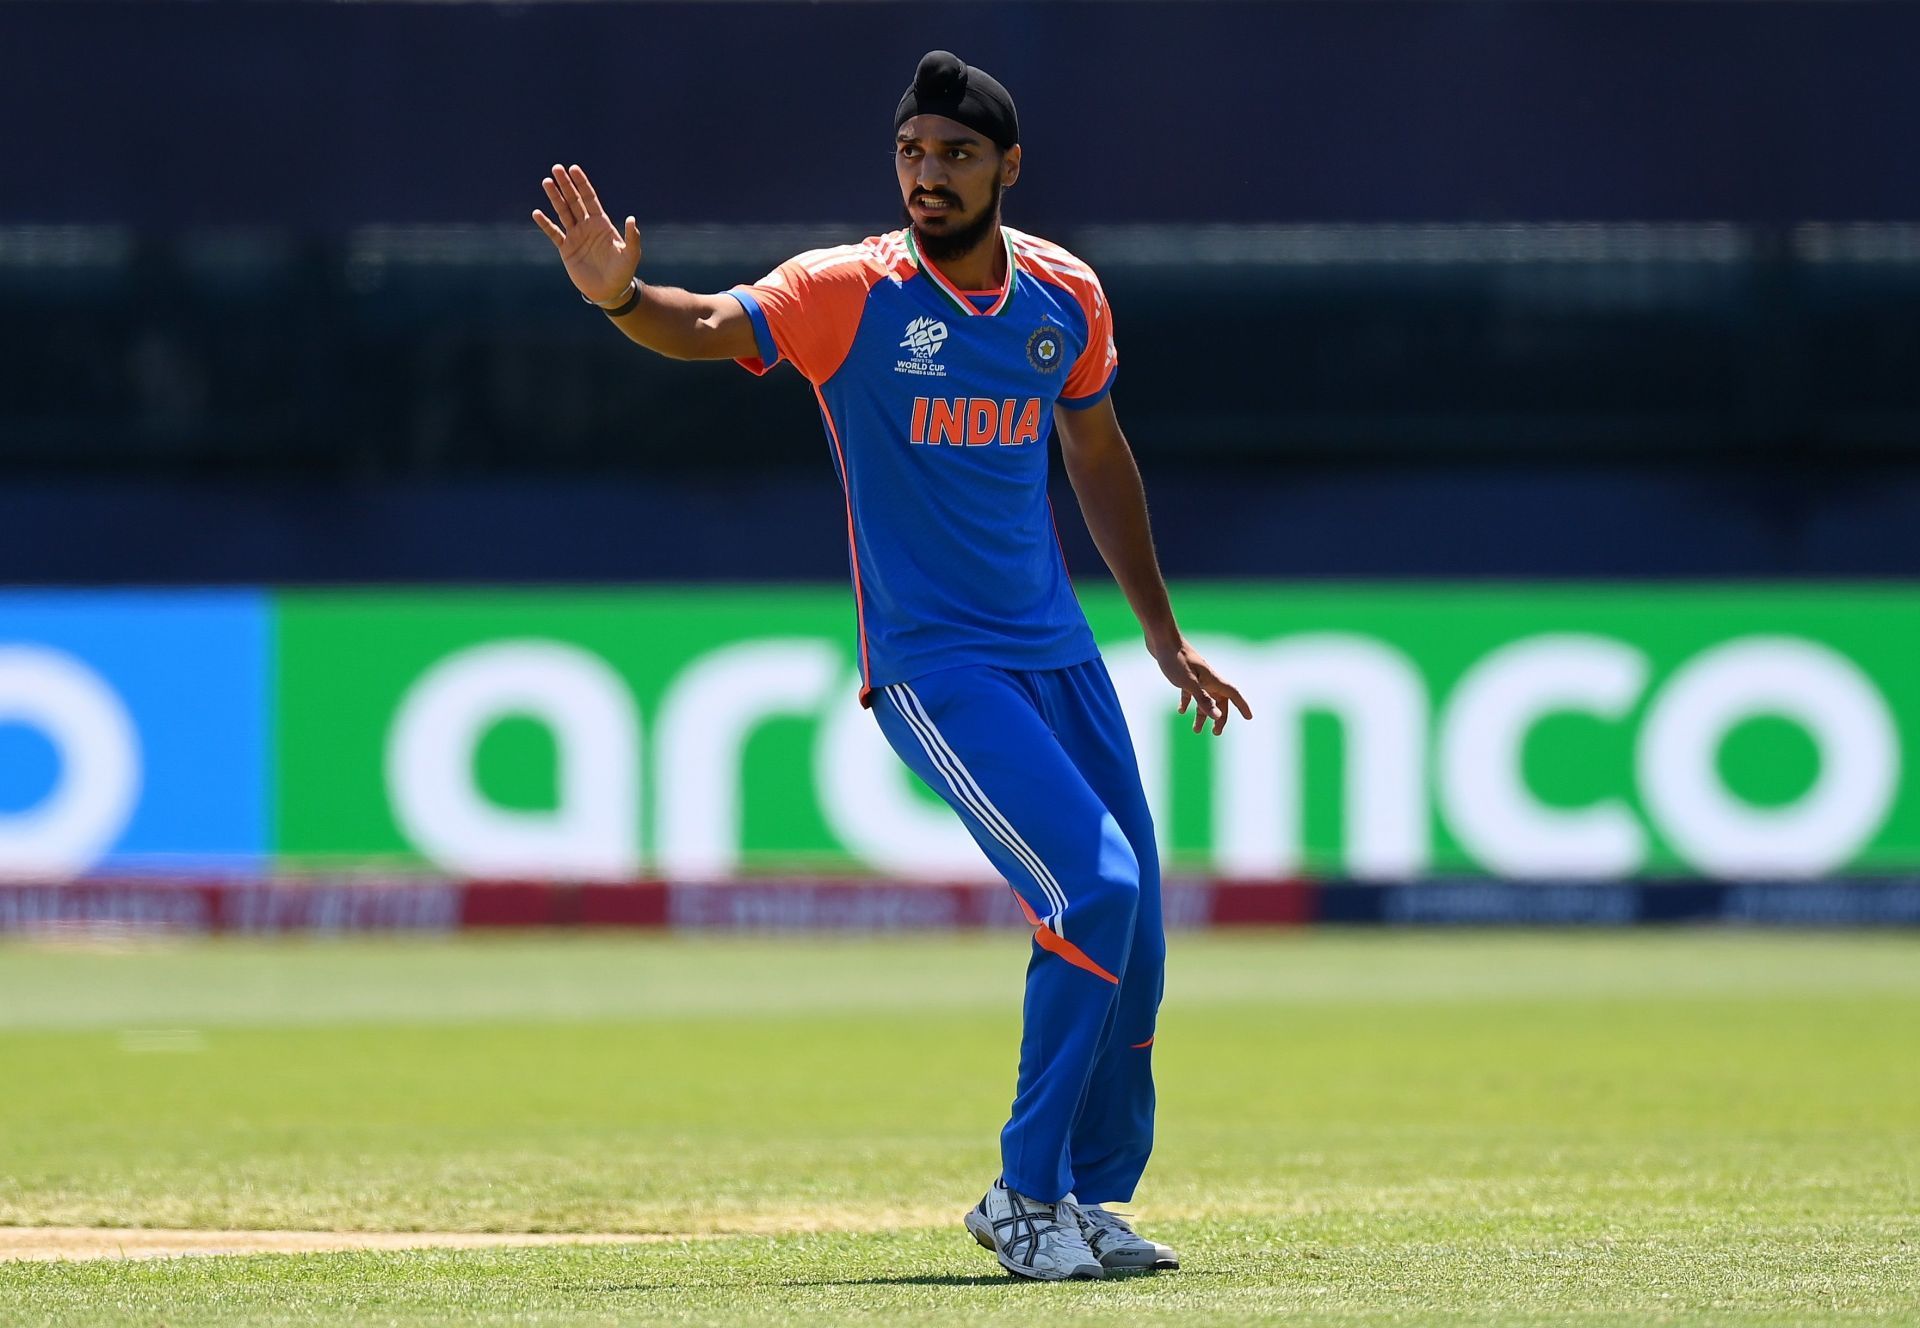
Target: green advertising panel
[(1399, 732)]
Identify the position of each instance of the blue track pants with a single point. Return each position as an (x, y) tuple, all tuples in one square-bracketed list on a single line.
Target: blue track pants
[(1039, 766)]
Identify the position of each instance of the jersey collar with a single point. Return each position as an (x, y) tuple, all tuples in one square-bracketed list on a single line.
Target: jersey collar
[(953, 293)]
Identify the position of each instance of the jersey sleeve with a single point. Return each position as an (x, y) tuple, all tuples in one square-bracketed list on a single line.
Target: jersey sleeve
[(1091, 377), (806, 311)]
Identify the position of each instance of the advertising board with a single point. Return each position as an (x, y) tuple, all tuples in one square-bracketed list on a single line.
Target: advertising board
[(1401, 732)]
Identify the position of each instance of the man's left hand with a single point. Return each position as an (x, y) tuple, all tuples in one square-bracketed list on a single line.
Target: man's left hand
[(1212, 697)]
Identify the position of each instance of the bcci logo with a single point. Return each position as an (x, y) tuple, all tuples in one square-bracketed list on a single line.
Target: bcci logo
[(1044, 349), (924, 338)]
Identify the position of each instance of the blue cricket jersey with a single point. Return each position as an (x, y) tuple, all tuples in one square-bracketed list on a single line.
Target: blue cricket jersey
[(938, 404)]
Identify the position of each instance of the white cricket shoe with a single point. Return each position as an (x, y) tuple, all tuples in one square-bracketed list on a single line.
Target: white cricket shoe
[(1118, 1245), (1033, 1239)]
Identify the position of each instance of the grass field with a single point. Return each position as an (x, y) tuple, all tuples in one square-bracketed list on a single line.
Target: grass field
[(1683, 1128)]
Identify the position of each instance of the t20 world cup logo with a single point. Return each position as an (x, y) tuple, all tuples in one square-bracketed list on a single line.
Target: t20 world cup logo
[(924, 337)]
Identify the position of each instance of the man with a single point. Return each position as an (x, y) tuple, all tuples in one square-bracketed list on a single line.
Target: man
[(943, 355)]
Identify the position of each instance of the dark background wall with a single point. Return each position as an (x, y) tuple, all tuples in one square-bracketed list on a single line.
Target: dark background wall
[(1402, 289), (321, 116)]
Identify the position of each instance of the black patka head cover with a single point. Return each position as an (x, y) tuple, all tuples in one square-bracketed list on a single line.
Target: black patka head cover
[(947, 85)]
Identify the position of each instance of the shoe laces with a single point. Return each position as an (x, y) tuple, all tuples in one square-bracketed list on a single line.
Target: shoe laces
[(1053, 1223), (1101, 1218)]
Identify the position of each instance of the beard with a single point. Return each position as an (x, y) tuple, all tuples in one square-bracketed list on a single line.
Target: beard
[(958, 241)]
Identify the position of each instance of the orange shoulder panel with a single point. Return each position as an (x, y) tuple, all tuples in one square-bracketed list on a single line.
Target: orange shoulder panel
[(813, 303)]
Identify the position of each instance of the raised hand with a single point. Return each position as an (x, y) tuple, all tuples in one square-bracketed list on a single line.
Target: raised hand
[(599, 257)]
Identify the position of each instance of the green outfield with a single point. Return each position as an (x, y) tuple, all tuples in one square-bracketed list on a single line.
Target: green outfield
[(1678, 1127)]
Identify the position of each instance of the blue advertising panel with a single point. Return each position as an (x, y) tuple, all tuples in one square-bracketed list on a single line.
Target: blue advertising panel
[(133, 730)]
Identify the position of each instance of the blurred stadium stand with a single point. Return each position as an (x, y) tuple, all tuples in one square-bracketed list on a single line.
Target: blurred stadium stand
[(277, 314)]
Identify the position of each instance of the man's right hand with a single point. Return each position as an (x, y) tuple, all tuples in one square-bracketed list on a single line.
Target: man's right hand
[(598, 258)]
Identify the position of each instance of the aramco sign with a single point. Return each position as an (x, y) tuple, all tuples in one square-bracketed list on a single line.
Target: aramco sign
[(1400, 731), (1404, 751)]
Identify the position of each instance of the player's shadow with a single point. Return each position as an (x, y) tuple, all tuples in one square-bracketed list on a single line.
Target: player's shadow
[(983, 1279), (945, 1279), (953, 1279)]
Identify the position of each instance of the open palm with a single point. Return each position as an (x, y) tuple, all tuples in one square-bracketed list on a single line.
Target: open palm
[(600, 258)]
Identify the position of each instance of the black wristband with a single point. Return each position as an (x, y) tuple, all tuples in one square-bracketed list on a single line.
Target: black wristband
[(625, 306)]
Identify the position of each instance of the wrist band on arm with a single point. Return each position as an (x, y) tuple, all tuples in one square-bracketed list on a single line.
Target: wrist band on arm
[(625, 306)]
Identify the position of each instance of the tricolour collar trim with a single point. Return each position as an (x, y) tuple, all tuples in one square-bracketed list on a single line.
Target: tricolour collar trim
[(953, 293)]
